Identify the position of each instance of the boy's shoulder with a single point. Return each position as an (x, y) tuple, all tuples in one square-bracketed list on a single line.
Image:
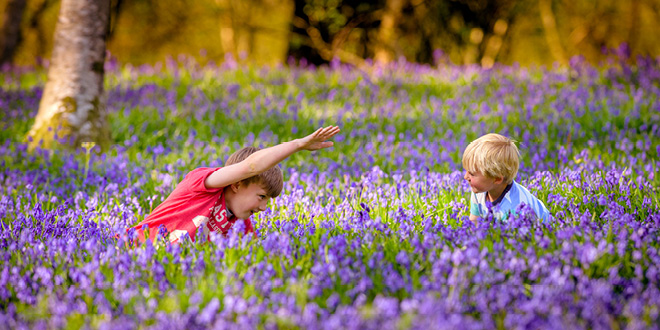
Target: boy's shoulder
[(522, 195), (202, 171), (521, 192), (205, 169), (194, 180)]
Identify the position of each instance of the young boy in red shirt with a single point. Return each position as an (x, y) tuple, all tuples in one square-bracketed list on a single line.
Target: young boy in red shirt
[(213, 199)]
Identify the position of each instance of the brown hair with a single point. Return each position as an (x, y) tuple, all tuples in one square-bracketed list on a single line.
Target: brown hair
[(271, 180)]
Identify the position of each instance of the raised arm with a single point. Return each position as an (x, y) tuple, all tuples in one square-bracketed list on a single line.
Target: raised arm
[(264, 159)]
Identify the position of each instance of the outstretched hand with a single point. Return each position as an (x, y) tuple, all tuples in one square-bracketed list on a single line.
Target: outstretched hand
[(318, 139)]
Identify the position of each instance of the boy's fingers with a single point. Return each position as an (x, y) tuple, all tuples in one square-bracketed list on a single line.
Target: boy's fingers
[(334, 131), (319, 133), (324, 133), (330, 131)]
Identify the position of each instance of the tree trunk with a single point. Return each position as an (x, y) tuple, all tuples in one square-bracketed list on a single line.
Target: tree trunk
[(72, 108), (633, 31), (385, 49), (494, 44), (10, 32), (256, 31), (37, 27), (551, 32)]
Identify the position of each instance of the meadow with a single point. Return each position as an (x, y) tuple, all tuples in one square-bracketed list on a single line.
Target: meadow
[(370, 234)]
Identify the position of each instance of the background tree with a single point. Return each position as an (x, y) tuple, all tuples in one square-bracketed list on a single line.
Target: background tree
[(386, 49), (551, 33), (255, 30), (269, 31), (469, 31), (10, 30), (39, 29), (72, 108), (324, 30)]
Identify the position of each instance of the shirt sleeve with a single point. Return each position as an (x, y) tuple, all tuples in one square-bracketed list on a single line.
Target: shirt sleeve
[(542, 212), (474, 205), (195, 180)]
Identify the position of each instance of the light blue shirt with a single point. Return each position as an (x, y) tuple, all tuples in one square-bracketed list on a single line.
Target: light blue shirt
[(507, 204)]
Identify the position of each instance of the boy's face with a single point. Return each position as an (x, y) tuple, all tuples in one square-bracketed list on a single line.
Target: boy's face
[(246, 200), (479, 182)]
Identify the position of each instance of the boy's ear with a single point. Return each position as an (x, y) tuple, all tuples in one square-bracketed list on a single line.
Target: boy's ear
[(499, 180), (234, 186)]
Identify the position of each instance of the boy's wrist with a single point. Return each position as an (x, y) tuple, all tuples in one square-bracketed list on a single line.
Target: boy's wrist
[(299, 145)]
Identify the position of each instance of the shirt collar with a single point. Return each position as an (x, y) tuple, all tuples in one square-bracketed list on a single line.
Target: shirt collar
[(506, 190)]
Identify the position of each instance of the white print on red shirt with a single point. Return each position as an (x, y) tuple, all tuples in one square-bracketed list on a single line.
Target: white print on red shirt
[(218, 221)]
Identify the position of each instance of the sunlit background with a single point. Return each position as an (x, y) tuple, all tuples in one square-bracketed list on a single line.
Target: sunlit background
[(272, 32)]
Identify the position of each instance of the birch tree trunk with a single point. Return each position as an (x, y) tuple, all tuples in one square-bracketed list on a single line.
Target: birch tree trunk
[(10, 31), (72, 108)]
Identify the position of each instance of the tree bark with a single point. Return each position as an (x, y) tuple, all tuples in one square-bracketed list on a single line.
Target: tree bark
[(551, 32), (385, 49), (72, 108), (633, 31), (256, 31), (38, 28), (494, 44), (10, 33)]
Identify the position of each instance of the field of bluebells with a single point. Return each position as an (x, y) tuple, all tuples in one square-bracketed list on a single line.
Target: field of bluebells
[(371, 234)]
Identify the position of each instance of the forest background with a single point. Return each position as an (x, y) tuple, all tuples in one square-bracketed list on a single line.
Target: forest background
[(273, 32)]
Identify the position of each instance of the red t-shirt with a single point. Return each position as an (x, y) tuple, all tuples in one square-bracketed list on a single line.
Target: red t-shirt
[(192, 206)]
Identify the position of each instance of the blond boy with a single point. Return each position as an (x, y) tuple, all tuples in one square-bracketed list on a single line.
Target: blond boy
[(491, 163)]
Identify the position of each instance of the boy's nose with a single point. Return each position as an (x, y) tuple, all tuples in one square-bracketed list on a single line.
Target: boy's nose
[(465, 176)]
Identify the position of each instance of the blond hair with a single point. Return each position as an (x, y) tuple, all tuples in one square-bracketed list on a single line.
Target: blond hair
[(493, 155), (271, 180)]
